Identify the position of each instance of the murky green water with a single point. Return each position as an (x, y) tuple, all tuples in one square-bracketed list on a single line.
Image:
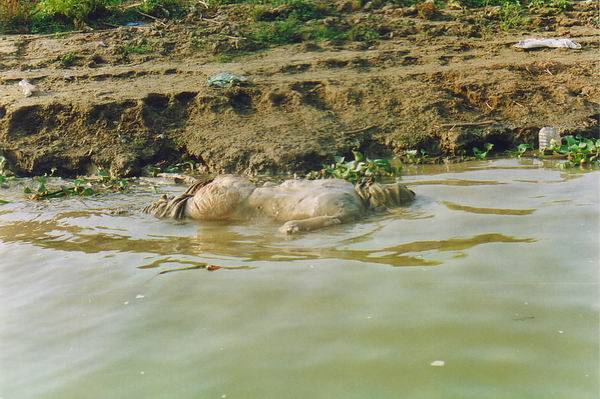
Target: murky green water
[(493, 270)]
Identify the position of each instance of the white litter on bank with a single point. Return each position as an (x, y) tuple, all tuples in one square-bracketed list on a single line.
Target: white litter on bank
[(549, 43), (28, 88)]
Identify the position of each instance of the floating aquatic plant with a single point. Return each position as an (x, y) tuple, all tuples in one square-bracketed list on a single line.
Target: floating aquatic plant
[(479, 154), (102, 182), (578, 151), (360, 170)]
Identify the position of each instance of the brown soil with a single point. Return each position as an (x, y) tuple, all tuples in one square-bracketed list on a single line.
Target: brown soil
[(303, 103)]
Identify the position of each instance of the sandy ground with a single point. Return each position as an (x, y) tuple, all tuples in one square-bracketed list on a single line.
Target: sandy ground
[(442, 85)]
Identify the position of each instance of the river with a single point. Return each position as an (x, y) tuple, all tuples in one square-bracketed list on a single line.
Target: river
[(487, 286)]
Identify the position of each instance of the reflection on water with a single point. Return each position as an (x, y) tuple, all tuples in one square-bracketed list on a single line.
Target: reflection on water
[(50, 234), (456, 182), (101, 303), (489, 211)]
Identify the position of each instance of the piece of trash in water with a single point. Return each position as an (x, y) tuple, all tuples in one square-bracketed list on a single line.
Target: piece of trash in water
[(28, 88), (548, 137), (438, 363), (561, 332), (139, 296), (550, 43), (212, 268), (224, 79), (126, 303)]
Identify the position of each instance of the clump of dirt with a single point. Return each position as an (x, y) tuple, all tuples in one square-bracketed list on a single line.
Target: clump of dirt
[(438, 80)]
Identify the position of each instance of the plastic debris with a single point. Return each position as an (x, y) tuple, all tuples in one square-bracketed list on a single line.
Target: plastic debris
[(224, 79), (550, 43), (28, 88), (134, 23), (548, 137), (438, 363)]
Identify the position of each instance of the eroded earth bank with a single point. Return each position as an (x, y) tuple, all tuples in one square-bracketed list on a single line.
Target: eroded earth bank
[(133, 96)]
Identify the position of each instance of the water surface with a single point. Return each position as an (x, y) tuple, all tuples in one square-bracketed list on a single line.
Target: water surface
[(493, 270)]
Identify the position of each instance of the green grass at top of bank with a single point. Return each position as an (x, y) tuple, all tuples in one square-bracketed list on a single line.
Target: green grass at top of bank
[(48, 16), (275, 21)]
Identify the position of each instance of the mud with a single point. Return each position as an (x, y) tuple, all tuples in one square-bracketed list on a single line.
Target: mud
[(444, 85)]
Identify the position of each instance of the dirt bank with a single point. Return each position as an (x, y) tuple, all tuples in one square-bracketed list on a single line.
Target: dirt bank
[(107, 101)]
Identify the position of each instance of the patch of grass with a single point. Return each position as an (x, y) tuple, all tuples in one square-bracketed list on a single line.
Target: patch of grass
[(301, 10), (512, 16), (362, 33), (360, 170), (142, 47), (277, 32), (68, 60)]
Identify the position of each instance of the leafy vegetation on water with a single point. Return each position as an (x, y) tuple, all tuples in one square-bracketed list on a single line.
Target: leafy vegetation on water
[(142, 47), (5, 177), (359, 170), (102, 182), (482, 154), (578, 151), (5, 174)]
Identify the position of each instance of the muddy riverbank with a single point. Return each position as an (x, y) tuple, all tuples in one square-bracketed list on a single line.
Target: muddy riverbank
[(133, 96)]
